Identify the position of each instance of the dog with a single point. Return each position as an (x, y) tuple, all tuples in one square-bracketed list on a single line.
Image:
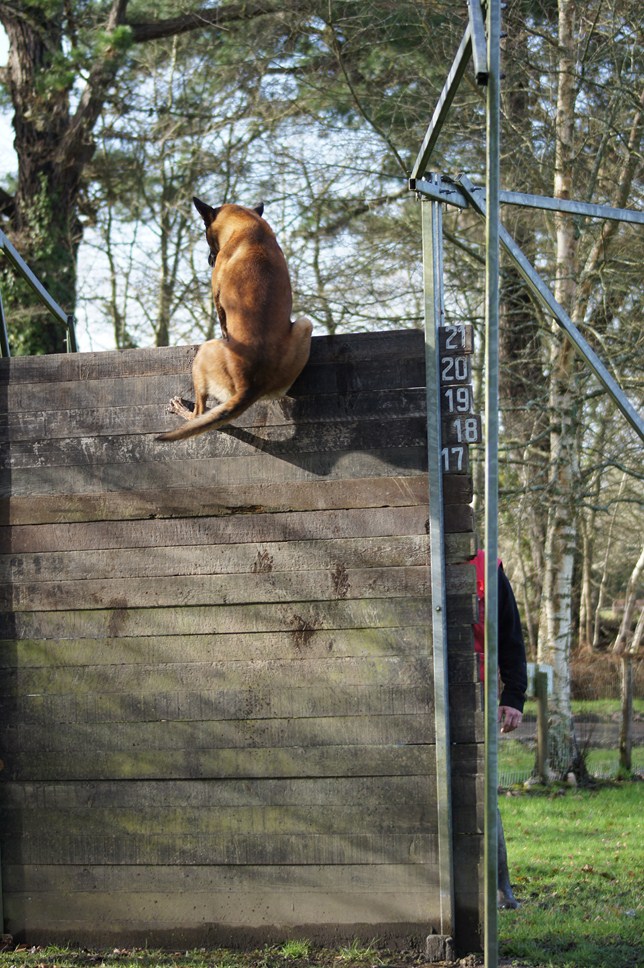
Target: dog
[(261, 352)]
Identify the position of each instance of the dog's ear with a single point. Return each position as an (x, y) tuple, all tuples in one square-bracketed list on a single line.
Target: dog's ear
[(260, 208), (207, 213)]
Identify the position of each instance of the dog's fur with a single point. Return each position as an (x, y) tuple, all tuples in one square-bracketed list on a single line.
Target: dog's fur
[(262, 352)]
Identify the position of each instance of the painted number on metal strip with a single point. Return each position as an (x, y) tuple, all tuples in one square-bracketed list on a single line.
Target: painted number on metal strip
[(457, 399), (463, 430), (455, 369), (456, 339), (455, 459)]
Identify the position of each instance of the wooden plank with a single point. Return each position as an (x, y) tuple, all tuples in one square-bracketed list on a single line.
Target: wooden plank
[(327, 792), (228, 675), (171, 472), (215, 499), (111, 919), (221, 764), (132, 879), (285, 441), (308, 848), (225, 530), (331, 351), (241, 821), (259, 558), (84, 739), (106, 393), (46, 655), (19, 425), (322, 585), (208, 705), (300, 619)]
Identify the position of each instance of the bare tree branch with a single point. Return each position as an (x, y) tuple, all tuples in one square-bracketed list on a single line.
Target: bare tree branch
[(209, 16)]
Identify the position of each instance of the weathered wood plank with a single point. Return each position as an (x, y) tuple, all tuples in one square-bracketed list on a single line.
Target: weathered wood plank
[(285, 819), (258, 558), (327, 792), (309, 848), (325, 584), (132, 879), (223, 763), (207, 705), (301, 702), (300, 619), (47, 655), (241, 672), (83, 740), (289, 441), (384, 406), (225, 530), (111, 918), (216, 500), (322, 585), (331, 351), (156, 390), (173, 473)]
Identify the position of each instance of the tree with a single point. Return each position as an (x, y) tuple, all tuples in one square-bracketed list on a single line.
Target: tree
[(64, 61)]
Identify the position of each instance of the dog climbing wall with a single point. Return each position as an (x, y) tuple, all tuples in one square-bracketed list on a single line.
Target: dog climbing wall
[(216, 697)]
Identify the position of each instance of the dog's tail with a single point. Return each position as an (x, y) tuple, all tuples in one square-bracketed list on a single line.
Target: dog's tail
[(217, 417)]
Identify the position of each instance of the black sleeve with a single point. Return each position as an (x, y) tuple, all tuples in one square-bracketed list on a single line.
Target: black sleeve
[(512, 660)]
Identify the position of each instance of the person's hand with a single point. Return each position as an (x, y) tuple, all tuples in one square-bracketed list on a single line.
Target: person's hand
[(509, 718)]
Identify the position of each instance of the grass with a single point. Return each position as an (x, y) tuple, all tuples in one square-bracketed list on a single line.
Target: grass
[(516, 759), (576, 863), (600, 708), (296, 952)]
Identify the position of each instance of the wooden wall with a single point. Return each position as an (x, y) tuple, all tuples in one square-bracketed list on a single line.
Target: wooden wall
[(216, 707)]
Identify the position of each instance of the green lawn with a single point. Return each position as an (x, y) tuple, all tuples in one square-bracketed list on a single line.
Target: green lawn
[(516, 759), (577, 865)]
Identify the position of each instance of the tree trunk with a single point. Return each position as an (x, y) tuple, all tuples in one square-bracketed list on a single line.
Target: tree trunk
[(556, 625), (45, 228)]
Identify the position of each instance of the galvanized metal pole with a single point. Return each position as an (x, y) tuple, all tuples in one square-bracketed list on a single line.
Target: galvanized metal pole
[(493, 177), (4, 335), (433, 288)]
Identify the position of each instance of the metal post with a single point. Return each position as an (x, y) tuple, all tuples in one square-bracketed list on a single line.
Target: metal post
[(541, 692), (493, 177), (4, 335), (432, 274), (72, 345)]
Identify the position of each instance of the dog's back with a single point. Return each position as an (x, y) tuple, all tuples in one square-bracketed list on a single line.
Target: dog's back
[(250, 279), (262, 352)]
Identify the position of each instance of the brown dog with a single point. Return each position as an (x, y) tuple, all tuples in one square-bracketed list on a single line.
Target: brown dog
[(262, 352)]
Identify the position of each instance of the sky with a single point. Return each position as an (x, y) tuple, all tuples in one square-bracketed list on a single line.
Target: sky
[(7, 154)]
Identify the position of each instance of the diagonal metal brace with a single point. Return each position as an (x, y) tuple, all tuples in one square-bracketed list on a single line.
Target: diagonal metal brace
[(443, 105), (476, 197), (479, 41)]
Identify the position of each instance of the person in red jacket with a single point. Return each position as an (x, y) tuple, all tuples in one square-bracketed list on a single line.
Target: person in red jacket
[(514, 681)]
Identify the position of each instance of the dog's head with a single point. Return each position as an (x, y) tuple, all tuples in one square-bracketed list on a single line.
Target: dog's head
[(210, 216)]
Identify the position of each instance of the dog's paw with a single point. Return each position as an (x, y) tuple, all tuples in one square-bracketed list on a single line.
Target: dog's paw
[(177, 406)]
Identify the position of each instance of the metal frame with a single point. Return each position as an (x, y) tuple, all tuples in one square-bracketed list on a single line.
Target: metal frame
[(432, 224), (483, 47), (30, 277)]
